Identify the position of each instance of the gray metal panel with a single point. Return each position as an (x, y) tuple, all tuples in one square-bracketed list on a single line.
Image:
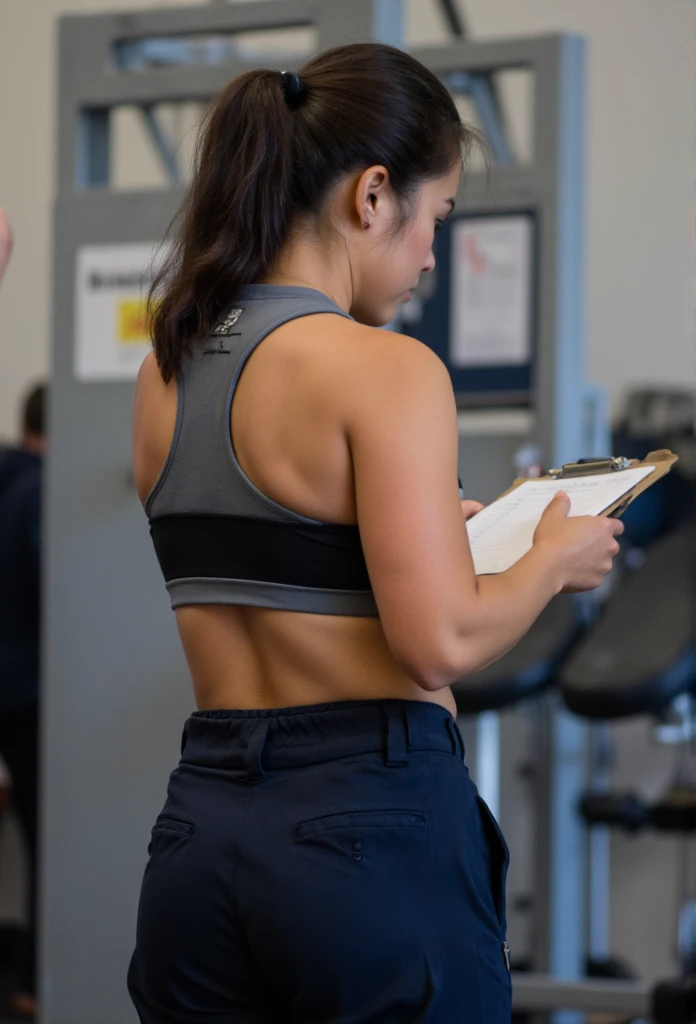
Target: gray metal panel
[(115, 686), (91, 81), (560, 121), (560, 404), (86, 46), (490, 55)]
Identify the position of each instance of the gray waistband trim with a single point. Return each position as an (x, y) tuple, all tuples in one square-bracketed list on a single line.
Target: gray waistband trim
[(281, 596)]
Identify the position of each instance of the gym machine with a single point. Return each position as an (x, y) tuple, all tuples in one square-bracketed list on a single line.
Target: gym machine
[(640, 660), (635, 655)]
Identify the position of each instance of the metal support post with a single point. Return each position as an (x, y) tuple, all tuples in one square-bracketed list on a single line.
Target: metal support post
[(538, 992), (487, 772)]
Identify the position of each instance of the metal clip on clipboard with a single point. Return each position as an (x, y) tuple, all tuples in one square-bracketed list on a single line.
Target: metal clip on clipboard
[(588, 467), (662, 460), (658, 462)]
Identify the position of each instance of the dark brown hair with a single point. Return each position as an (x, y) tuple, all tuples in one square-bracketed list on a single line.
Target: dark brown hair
[(34, 410), (263, 160)]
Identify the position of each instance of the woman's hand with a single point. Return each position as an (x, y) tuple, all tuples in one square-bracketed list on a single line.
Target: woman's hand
[(470, 508), (585, 546)]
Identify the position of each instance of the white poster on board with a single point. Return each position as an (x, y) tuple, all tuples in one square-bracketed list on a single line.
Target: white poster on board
[(492, 281), (111, 284)]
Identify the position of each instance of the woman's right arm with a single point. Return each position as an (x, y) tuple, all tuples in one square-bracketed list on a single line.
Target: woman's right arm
[(441, 621)]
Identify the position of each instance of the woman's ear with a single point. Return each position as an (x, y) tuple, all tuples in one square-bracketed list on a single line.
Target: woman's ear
[(370, 193)]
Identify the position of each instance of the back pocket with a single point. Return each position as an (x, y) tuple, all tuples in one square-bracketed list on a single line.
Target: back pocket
[(173, 826), (355, 834), (169, 828), (359, 820)]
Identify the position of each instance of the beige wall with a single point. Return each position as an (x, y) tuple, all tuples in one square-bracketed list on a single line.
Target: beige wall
[(27, 144), (640, 175)]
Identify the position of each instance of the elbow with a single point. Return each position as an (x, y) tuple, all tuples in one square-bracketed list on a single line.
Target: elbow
[(435, 668), (433, 681)]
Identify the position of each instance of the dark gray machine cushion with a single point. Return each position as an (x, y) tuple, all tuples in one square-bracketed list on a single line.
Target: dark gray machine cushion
[(527, 668), (640, 655)]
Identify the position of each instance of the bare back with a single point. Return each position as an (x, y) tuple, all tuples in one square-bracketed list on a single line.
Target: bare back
[(293, 404)]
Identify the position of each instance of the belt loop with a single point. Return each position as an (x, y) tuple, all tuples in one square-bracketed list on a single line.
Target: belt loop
[(184, 737), (397, 737), (456, 738), (254, 750)]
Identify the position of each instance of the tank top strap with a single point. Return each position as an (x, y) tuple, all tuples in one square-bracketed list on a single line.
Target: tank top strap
[(202, 474)]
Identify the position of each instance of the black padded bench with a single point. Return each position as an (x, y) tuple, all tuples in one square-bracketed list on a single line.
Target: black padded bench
[(529, 667), (642, 652)]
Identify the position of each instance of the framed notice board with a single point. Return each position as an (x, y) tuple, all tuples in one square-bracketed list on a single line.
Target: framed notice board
[(478, 311)]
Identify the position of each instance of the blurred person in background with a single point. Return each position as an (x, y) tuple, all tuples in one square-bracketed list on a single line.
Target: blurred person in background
[(20, 587), (5, 251)]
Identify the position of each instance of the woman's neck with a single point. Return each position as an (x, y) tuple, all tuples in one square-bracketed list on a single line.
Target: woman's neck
[(312, 264)]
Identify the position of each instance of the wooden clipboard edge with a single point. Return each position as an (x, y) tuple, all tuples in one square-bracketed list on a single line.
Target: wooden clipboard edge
[(662, 460)]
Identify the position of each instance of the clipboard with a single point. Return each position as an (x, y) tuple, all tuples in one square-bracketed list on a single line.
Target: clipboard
[(663, 460)]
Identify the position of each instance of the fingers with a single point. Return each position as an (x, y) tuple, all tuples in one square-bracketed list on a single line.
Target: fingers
[(560, 505), (618, 527), (614, 526), (470, 508)]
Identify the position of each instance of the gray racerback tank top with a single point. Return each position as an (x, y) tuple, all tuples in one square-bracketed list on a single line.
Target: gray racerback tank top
[(219, 539)]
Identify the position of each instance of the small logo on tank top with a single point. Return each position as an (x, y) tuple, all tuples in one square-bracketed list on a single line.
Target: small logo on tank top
[(224, 330), (225, 326)]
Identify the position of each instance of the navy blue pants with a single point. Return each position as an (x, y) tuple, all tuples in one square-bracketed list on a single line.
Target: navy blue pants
[(330, 864)]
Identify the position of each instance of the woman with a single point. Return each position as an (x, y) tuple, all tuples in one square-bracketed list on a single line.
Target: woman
[(323, 855)]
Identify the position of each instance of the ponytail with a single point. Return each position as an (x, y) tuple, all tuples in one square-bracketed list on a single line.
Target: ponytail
[(235, 217), (272, 146)]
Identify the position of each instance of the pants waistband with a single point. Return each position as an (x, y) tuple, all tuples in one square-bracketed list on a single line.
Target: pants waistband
[(251, 742)]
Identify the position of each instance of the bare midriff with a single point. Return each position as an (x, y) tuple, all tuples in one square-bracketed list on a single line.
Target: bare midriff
[(242, 657)]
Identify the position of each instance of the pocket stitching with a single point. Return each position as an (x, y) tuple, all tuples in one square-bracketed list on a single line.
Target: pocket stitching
[(358, 819), (181, 828)]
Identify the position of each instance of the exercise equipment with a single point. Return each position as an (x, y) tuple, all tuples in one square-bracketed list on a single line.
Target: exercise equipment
[(530, 667), (641, 654), (669, 1002), (640, 659)]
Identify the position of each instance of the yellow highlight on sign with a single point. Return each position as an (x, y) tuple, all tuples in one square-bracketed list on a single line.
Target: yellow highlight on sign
[(131, 322)]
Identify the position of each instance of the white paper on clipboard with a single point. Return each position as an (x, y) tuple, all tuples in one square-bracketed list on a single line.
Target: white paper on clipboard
[(491, 288), (503, 532)]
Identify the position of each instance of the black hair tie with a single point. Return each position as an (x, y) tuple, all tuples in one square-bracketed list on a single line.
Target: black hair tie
[(293, 87)]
